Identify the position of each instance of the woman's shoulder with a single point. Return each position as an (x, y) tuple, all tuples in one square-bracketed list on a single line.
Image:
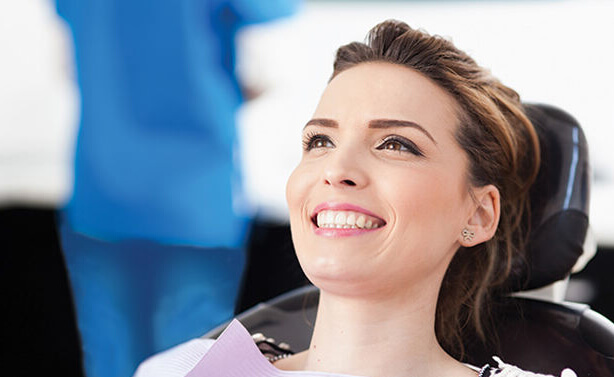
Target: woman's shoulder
[(176, 361), (507, 370)]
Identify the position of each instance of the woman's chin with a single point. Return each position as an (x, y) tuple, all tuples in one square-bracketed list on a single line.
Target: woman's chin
[(338, 280)]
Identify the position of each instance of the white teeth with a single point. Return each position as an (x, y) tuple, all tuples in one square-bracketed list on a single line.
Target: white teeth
[(345, 220), (351, 219), (360, 222)]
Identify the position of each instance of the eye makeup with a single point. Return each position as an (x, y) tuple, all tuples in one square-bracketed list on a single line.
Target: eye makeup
[(399, 144), (313, 140)]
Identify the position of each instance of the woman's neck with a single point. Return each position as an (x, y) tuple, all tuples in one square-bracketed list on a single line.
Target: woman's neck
[(384, 337)]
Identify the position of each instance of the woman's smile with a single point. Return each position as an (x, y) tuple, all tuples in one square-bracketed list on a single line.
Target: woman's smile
[(331, 219)]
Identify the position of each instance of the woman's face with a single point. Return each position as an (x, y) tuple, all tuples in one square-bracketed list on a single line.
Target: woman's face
[(380, 197)]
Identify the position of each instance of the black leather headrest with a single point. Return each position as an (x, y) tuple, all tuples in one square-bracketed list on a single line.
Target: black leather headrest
[(559, 200)]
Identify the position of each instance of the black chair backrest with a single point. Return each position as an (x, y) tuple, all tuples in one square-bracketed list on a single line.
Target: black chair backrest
[(546, 337), (559, 200)]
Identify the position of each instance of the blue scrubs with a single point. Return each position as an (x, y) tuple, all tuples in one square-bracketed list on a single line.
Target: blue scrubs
[(154, 232)]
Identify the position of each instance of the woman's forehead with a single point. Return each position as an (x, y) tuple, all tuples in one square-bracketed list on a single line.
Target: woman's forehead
[(381, 90)]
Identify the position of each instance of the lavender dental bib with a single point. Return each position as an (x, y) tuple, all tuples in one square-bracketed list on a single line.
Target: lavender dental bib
[(234, 354)]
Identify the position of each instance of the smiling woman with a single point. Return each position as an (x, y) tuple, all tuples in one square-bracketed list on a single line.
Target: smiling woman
[(407, 210)]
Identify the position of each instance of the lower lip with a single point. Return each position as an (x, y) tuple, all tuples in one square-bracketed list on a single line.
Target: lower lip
[(340, 232)]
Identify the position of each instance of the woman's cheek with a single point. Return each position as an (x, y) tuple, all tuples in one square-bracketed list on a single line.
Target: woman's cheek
[(296, 189), (291, 186)]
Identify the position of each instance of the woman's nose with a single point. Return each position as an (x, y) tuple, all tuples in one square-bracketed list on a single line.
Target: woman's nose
[(344, 170)]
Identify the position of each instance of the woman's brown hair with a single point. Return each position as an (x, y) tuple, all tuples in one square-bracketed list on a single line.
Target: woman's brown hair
[(502, 149)]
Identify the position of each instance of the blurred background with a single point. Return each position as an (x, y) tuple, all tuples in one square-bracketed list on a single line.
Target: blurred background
[(553, 52)]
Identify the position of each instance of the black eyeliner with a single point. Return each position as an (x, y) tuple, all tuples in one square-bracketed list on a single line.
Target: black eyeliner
[(406, 143)]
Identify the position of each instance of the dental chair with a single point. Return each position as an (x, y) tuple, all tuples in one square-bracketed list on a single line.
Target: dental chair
[(541, 335)]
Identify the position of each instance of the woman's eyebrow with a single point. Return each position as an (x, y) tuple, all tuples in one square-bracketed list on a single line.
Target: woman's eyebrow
[(322, 122), (375, 123), (393, 123)]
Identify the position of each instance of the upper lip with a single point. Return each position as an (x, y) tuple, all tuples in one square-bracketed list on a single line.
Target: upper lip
[(335, 206)]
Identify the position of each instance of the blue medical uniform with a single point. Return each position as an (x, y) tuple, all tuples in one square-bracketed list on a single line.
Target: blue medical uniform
[(153, 234)]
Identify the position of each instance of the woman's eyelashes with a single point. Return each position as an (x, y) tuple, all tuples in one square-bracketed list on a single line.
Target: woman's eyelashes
[(399, 144), (394, 143), (316, 140)]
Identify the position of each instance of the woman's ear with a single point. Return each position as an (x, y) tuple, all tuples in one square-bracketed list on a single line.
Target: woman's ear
[(484, 219)]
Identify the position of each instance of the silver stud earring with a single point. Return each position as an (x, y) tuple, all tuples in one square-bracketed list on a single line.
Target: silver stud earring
[(468, 235)]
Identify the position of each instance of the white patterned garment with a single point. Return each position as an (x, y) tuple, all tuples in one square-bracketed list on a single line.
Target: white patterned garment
[(507, 370)]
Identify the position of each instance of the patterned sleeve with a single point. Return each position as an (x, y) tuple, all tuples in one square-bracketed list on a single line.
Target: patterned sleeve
[(508, 370)]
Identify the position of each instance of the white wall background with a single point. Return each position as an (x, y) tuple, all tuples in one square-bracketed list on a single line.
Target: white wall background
[(38, 104), (555, 52)]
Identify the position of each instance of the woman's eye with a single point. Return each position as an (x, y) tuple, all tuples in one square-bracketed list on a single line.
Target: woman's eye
[(398, 144), (317, 141), (394, 146)]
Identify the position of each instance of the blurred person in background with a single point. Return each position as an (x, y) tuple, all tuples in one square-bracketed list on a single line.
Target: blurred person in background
[(154, 233)]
